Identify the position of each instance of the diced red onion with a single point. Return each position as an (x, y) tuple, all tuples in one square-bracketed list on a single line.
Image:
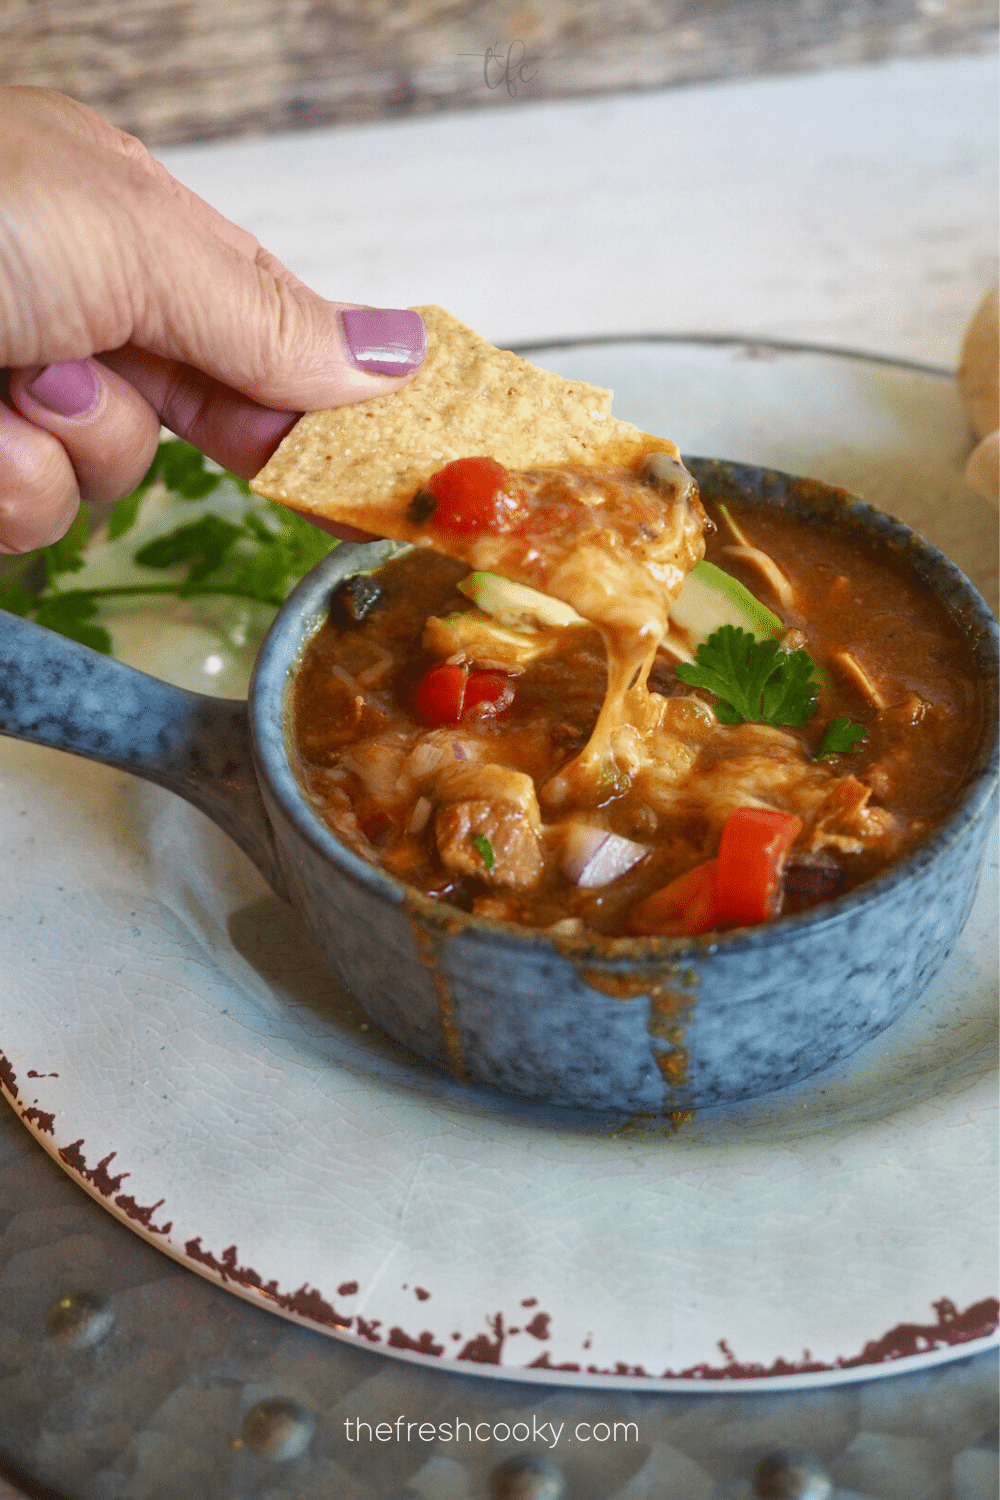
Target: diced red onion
[(594, 857), (459, 751)]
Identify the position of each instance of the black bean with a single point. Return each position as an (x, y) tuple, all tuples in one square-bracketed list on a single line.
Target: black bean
[(812, 875), (354, 599), (421, 507)]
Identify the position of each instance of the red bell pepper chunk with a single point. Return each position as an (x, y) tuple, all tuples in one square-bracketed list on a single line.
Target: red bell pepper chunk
[(684, 908), (737, 889), (447, 694), (441, 695), (489, 692), (752, 853), (474, 495)]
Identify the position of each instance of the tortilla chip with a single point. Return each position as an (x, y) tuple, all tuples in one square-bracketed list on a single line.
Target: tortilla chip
[(361, 465)]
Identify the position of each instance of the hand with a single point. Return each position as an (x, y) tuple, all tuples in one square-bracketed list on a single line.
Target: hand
[(126, 301)]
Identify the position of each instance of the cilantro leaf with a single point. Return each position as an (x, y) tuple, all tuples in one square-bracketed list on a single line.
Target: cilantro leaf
[(789, 696), (256, 527), (756, 681), (262, 575), (14, 597), (485, 849), (304, 544), (261, 559), (842, 738), (287, 550), (64, 556), (203, 544), (126, 510), (182, 469), (68, 613)]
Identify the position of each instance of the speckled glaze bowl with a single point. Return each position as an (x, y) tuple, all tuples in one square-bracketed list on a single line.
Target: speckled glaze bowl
[(651, 1026)]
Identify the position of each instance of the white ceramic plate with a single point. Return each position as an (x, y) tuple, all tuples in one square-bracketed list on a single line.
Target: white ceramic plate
[(169, 1035)]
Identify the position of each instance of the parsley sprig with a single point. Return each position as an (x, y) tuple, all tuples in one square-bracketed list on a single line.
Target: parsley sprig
[(755, 681), (260, 558)]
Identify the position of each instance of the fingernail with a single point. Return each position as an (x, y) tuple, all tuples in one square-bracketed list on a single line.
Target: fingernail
[(385, 340), (69, 389)]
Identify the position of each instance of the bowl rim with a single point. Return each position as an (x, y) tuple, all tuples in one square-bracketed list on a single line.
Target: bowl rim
[(306, 609)]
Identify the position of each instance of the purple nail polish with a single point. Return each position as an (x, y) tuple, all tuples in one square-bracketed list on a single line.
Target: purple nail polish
[(385, 340), (69, 389)]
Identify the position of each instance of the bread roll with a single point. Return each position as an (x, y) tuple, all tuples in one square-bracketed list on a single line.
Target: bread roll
[(979, 387)]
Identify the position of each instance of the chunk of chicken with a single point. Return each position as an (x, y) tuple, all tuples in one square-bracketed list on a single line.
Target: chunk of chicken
[(495, 804), (845, 822), (760, 765), (437, 750), (487, 782), (473, 637), (380, 766), (508, 852)]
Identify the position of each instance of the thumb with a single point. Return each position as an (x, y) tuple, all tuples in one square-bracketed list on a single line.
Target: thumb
[(254, 327), (283, 344), (101, 248)]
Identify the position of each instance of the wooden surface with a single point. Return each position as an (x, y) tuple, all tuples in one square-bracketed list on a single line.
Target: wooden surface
[(181, 70)]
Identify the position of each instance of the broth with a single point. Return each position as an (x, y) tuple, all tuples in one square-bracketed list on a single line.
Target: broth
[(469, 812)]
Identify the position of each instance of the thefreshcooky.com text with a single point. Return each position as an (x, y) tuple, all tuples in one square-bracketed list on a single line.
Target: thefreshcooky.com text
[(403, 1431)]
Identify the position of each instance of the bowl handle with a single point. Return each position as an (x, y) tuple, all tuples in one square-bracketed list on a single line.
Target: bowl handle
[(55, 692)]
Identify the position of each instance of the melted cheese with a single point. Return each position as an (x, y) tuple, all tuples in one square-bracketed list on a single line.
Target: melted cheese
[(616, 548)]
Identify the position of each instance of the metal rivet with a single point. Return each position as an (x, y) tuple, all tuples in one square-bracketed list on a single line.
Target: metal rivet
[(79, 1319), (278, 1429), (527, 1478), (791, 1476)]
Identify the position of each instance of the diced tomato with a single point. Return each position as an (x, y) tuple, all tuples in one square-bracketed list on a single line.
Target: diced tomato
[(447, 694), (752, 854), (489, 692), (441, 695), (475, 495), (684, 908)]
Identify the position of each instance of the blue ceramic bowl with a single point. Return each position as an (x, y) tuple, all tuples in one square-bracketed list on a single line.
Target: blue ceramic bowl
[(645, 1025)]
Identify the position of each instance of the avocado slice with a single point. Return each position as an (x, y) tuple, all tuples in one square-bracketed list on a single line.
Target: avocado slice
[(515, 603), (710, 598)]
